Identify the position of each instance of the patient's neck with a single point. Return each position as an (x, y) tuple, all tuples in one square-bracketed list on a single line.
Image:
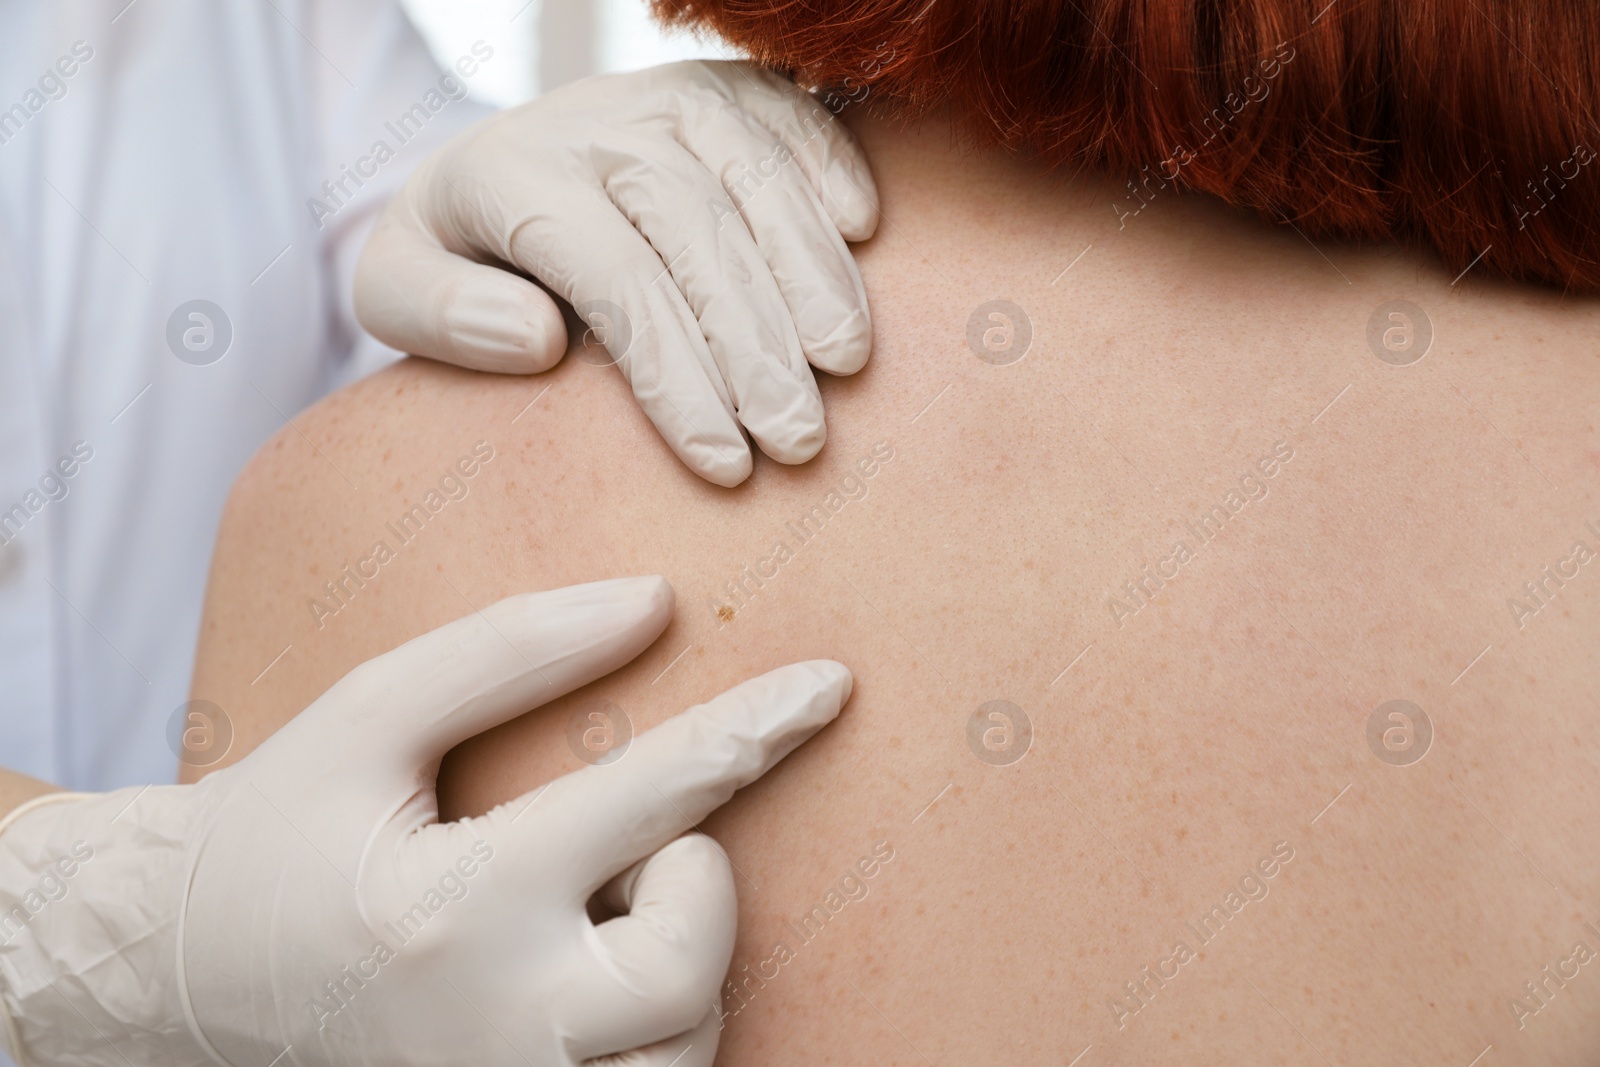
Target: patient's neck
[(930, 152), (987, 194), (932, 155)]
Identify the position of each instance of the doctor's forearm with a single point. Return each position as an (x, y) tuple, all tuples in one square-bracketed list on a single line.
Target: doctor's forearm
[(17, 789)]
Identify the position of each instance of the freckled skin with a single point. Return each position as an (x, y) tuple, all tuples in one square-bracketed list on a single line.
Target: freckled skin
[(1173, 748)]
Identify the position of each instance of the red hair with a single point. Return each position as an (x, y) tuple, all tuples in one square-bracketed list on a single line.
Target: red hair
[(1463, 125)]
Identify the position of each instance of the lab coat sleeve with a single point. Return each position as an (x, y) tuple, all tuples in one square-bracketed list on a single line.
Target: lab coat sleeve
[(381, 104)]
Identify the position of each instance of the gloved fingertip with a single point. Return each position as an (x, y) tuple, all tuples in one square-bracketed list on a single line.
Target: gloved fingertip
[(651, 596), (692, 865), (844, 349), (721, 466), (810, 695), (654, 595), (851, 199), (499, 322), (696, 857), (791, 433), (799, 445), (644, 603), (783, 411), (833, 677)]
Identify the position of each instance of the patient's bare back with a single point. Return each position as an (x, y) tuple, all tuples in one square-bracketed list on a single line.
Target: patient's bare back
[(1224, 614)]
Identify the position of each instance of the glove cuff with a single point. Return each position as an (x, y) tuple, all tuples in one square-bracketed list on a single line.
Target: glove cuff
[(90, 893), (10, 1039)]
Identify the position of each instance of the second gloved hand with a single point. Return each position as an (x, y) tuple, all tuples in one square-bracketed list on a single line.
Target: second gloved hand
[(306, 907), (691, 213)]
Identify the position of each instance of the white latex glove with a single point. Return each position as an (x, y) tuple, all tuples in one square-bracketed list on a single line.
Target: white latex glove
[(691, 213), (305, 906)]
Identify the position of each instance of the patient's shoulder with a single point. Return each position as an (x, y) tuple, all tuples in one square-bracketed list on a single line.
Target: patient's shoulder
[(352, 445), (371, 517)]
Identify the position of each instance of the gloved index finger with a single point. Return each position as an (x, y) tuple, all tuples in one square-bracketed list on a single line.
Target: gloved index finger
[(594, 823)]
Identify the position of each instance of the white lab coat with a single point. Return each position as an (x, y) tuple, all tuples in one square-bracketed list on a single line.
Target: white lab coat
[(176, 162)]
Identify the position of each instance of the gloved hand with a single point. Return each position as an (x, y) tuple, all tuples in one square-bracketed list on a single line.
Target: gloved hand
[(305, 906), (691, 214)]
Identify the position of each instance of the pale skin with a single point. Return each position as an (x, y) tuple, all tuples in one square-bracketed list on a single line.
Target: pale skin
[(17, 789), (1184, 738)]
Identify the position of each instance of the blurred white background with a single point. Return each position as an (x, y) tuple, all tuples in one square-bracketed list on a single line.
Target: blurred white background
[(541, 44)]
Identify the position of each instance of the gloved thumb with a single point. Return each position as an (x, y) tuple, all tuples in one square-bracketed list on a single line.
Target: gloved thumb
[(415, 295)]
